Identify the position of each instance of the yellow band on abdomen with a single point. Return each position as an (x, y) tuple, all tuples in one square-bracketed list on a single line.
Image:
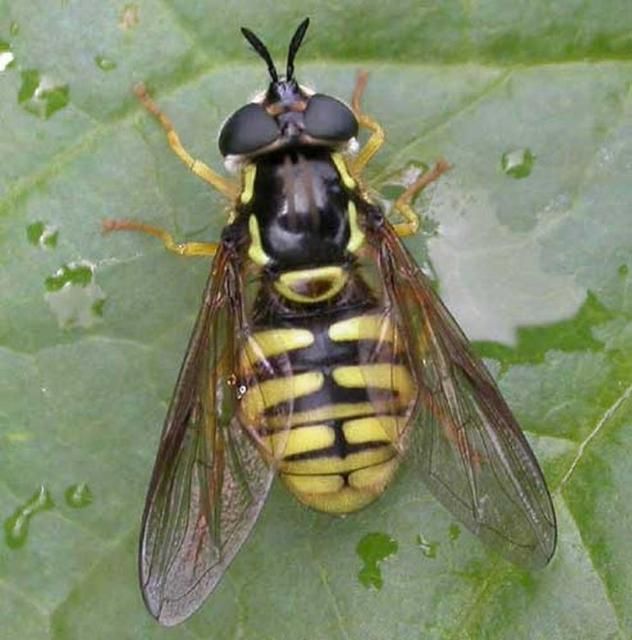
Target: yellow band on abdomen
[(309, 286), (270, 393), (273, 342), (365, 327), (380, 376), (335, 464), (300, 440), (373, 429)]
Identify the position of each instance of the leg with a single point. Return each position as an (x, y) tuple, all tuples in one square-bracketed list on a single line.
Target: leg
[(377, 133), (182, 249), (224, 186), (403, 204)]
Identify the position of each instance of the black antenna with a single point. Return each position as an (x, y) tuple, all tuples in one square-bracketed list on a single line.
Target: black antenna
[(295, 43), (261, 49)]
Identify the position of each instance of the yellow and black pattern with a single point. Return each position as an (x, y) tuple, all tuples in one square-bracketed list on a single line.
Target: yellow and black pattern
[(321, 353), (326, 383), (332, 424)]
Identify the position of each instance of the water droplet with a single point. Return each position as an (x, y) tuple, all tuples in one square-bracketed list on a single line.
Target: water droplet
[(42, 235), (623, 270), (454, 531), (373, 549), (16, 528), (105, 64), (130, 17), (74, 297), (14, 29), (395, 184), (40, 95), (78, 495), (412, 171), (6, 56), (429, 549), (517, 163)]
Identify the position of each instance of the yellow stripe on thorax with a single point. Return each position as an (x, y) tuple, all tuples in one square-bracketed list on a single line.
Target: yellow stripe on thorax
[(256, 251), (248, 178), (346, 177), (356, 235)]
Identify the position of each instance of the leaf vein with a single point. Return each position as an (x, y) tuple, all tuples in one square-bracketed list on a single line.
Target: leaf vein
[(332, 599), (601, 577), (446, 118), (601, 424)]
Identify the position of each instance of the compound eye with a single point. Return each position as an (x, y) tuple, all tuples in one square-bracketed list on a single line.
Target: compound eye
[(247, 130), (329, 119)]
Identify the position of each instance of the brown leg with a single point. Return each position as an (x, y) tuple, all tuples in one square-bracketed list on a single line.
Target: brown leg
[(403, 204), (181, 248), (376, 140), (224, 186)]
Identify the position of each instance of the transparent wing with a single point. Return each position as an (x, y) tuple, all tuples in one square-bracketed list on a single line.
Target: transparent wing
[(467, 444), (209, 481)]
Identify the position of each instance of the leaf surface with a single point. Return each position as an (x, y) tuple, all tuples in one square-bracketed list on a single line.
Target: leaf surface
[(93, 328)]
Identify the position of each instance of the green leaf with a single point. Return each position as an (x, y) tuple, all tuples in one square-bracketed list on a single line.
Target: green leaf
[(537, 270)]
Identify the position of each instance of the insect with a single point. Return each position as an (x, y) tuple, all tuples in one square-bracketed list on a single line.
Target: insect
[(320, 355)]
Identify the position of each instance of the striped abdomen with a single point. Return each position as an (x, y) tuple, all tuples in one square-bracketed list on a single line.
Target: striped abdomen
[(332, 415)]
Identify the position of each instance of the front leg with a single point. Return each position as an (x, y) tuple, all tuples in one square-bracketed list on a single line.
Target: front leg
[(376, 140), (226, 187)]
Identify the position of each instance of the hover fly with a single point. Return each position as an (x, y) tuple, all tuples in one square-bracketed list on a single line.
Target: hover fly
[(321, 355)]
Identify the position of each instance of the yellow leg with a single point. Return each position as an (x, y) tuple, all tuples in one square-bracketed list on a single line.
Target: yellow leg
[(403, 203), (181, 248), (224, 186), (376, 140)]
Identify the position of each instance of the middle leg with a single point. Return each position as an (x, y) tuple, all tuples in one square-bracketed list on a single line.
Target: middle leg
[(403, 204), (181, 248)]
